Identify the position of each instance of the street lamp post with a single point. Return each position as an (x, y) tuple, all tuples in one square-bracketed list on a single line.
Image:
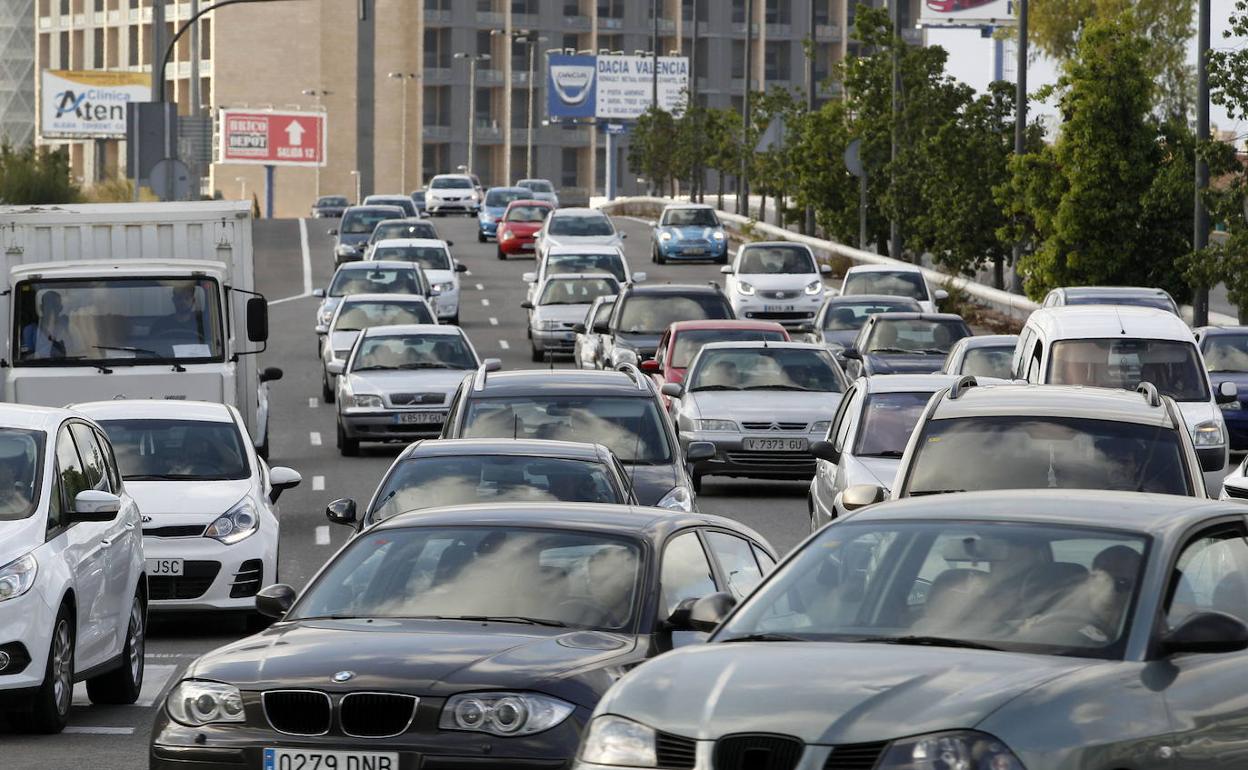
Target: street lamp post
[(403, 78), (532, 42), (473, 59), (242, 187), (317, 93)]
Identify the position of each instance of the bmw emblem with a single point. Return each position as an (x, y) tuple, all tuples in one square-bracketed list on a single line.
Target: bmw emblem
[(344, 676)]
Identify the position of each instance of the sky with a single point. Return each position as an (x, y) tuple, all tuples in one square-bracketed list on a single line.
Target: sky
[(971, 61)]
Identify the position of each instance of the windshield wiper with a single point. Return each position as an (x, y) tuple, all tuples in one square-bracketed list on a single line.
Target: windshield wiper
[(375, 368), (424, 365), (128, 349), (765, 637), (774, 387), (169, 477), (890, 350), (929, 641), (933, 351), (715, 387), (507, 619), (923, 492)]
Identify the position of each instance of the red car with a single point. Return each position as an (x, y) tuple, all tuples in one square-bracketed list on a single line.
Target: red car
[(683, 339), (519, 224)]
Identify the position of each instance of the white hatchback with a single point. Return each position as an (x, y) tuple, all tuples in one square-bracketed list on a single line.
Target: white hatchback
[(776, 281), (439, 267), (73, 596), (896, 280), (210, 516)]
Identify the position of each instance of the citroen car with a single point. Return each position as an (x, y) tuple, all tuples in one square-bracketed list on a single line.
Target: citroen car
[(687, 231)]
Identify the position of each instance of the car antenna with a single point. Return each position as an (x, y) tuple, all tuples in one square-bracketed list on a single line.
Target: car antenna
[(1121, 328), (515, 426)]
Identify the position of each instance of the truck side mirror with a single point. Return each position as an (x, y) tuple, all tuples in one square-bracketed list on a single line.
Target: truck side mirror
[(257, 319)]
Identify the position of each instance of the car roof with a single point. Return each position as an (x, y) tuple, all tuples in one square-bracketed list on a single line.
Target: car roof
[(405, 221), (535, 179), (672, 206), (762, 345), (426, 242), (394, 330), (857, 299), (574, 211), (910, 315), (1141, 512), (773, 244), (674, 288), (386, 197), (725, 324), (353, 299), (512, 188), (575, 250), (453, 176), (27, 417), (989, 341), (531, 202), (560, 382), (883, 269), (626, 520), (907, 383), (583, 276), (378, 264), (374, 207), (454, 447), (1010, 399), (155, 408), (1098, 321), (1113, 291)]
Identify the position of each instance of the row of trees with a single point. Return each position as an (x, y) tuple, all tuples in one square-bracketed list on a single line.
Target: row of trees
[(1108, 200)]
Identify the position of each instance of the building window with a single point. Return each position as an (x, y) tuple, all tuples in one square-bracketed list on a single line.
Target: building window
[(570, 175), (97, 55), (610, 9), (779, 12), (738, 11), (776, 61), (485, 108), (99, 6), (738, 59), (524, 6), (65, 8), (64, 52), (132, 45), (823, 12), (571, 8), (571, 41), (484, 44)]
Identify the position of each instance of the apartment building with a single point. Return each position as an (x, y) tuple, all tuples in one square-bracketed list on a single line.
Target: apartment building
[(17, 71)]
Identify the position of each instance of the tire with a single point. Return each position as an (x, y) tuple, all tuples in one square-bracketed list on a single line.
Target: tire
[(659, 259), (263, 450), (121, 686), (347, 447), (538, 356), (48, 711), (453, 320), (722, 260), (502, 254), (327, 393), (481, 237)]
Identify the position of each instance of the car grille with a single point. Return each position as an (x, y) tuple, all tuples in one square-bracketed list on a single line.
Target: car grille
[(248, 579), (675, 751), (376, 714), (182, 530), (857, 756), (757, 752), (780, 294), (416, 399), (1233, 492), (774, 425), (197, 577), (297, 712), (796, 461)]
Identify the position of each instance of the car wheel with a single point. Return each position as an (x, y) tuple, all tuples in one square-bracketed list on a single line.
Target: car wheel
[(347, 447), (48, 711), (263, 450), (481, 237), (724, 259), (327, 392), (502, 254), (121, 686), (538, 356)]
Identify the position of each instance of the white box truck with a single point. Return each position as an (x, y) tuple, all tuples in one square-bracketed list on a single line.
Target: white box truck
[(133, 300)]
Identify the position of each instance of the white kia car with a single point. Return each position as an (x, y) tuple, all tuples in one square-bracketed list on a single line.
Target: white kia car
[(210, 516), (73, 596), (777, 281)]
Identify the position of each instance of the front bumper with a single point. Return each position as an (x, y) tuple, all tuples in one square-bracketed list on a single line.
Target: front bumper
[(488, 228), (217, 576), (733, 459), (355, 255), (386, 424), (465, 206), (446, 305), (26, 621), (556, 341), (518, 245), (693, 249), (789, 312)]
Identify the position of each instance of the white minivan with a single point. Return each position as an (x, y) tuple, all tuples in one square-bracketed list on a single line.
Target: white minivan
[(1115, 346), (73, 596)]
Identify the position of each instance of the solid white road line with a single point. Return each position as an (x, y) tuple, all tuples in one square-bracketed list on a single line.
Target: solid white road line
[(493, 322), (86, 730), (314, 402), (307, 256), (318, 483), (504, 344), (315, 438), (322, 535), (485, 302)]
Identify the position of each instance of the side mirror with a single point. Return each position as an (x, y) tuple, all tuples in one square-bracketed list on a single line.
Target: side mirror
[(805, 329), (826, 450), (726, 270), (941, 295), (861, 495), (578, 328), (281, 479), (825, 270), (275, 601), (650, 366), (639, 276), (96, 505), (492, 364), (336, 367), (257, 319), (341, 512), (460, 267), (1206, 632), (319, 293), (1228, 393), (623, 236), (672, 389), (851, 354), (332, 231), (701, 614), (529, 277), (653, 223), (271, 374), (698, 451), (526, 305), (602, 328)]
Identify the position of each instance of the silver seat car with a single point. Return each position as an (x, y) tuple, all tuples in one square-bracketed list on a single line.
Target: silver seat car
[(378, 277), (396, 383), (561, 303), (357, 313)]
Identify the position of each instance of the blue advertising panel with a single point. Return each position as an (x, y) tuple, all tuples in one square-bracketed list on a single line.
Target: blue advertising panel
[(571, 86)]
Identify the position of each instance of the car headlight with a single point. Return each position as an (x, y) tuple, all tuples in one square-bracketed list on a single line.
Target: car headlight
[(238, 523), (549, 325), (17, 577), (745, 288), (507, 235), (503, 713), (1208, 434), (325, 316), (194, 703), (950, 751), (346, 249), (678, 499), (814, 287), (486, 217), (718, 235), (715, 425), (613, 740), (665, 236), (443, 288), (820, 426), (366, 401)]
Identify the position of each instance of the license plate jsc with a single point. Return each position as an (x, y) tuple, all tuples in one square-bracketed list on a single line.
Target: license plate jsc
[(165, 567)]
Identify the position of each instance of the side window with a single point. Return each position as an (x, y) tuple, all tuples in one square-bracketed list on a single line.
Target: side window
[(92, 457), (452, 416), (56, 508), (1034, 371), (1018, 363), (72, 476), (849, 408), (764, 560), (110, 459), (737, 562), (1211, 576), (686, 573)]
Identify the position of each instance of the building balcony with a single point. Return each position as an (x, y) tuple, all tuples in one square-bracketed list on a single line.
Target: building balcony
[(436, 133), (777, 31), (525, 20), (488, 130), (686, 29), (489, 77), (608, 22), (437, 17), (666, 26), (577, 23), (433, 76), (739, 28), (492, 18), (827, 33)]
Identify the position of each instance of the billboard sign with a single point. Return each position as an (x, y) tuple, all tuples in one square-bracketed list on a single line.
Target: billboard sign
[(272, 138), (967, 13), (613, 87), (88, 104)]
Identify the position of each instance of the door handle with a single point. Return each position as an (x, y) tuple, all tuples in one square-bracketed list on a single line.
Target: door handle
[(106, 541), (128, 526)]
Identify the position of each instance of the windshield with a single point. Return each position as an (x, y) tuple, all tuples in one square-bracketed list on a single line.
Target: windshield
[(1147, 300), (21, 466), (464, 479), (900, 284), (576, 291), (177, 450), (689, 218), (690, 341), (586, 263), (362, 221), (356, 316), (1025, 452), (387, 230), (451, 183), (582, 225), (400, 201), (118, 320), (500, 198), (850, 316), (331, 201), (536, 185), (653, 313), (755, 260), (888, 419), (533, 214), (1226, 352), (584, 580), (917, 335), (765, 369), (1021, 587), (414, 351), (1173, 366), (630, 427), (428, 257), (382, 280), (988, 362)]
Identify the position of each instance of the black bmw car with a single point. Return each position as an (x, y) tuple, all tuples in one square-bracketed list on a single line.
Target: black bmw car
[(466, 638)]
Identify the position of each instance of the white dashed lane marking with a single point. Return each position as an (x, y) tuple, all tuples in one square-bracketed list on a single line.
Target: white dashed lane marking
[(314, 402), (480, 287), (504, 344), (315, 438), (318, 483), (485, 302), (87, 730), (493, 322), (322, 535)]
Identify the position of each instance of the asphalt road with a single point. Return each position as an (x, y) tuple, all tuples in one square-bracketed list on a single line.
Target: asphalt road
[(103, 738)]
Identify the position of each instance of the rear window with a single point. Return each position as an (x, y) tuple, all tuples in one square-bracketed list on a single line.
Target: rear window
[(583, 225), (653, 313), (528, 213), (900, 284), (362, 221), (450, 183), (500, 198), (379, 281)]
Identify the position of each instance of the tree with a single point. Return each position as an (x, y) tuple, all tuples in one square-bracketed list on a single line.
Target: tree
[(650, 148), (722, 146), (819, 176), (34, 176)]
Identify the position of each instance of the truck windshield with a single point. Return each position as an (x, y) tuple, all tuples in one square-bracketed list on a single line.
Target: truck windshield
[(118, 321)]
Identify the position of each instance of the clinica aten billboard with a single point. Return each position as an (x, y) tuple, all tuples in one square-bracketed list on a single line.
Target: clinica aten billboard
[(88, 104)]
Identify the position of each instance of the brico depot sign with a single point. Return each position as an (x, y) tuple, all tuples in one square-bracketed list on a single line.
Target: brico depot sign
[(269, 138)]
